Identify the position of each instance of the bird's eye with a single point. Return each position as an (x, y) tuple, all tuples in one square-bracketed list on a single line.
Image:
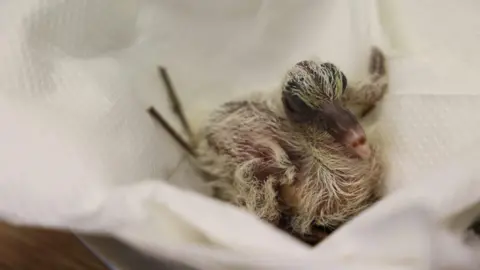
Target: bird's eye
[(297, 108), (296, 104)]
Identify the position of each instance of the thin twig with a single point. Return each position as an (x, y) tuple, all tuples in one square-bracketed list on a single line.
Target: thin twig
[(175, 102), (171, 130)]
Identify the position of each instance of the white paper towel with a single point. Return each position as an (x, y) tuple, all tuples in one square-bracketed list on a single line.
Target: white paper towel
[(79, 150)]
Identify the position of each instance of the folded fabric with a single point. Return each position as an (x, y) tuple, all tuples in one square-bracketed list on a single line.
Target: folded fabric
[(80, 152)]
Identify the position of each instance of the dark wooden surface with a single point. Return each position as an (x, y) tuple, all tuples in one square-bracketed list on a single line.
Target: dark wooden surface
[(41, 249), (125, 257)]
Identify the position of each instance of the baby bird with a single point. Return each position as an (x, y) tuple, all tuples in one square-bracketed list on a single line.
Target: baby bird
[(298, 159)]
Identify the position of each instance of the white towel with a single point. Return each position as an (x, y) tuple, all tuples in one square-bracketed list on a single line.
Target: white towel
[(79, 150)]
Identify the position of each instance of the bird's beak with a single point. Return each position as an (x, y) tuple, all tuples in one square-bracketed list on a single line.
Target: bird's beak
[(345, 128)]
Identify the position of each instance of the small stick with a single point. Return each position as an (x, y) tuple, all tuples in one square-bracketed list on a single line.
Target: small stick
[(175, 102), (171, 130)]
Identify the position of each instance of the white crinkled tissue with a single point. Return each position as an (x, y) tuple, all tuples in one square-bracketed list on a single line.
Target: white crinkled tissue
[(79, 150)]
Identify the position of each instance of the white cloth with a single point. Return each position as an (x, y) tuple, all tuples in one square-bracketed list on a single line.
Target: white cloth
[(79, 151)]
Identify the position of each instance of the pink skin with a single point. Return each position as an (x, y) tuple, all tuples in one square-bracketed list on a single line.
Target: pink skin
[(345, 128), (356, 141)]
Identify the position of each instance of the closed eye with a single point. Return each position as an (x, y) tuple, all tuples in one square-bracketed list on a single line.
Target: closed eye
[(297, 109), (296, 104), (287, 105)]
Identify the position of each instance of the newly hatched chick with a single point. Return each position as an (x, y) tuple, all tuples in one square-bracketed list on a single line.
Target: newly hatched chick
[(298, 159)]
